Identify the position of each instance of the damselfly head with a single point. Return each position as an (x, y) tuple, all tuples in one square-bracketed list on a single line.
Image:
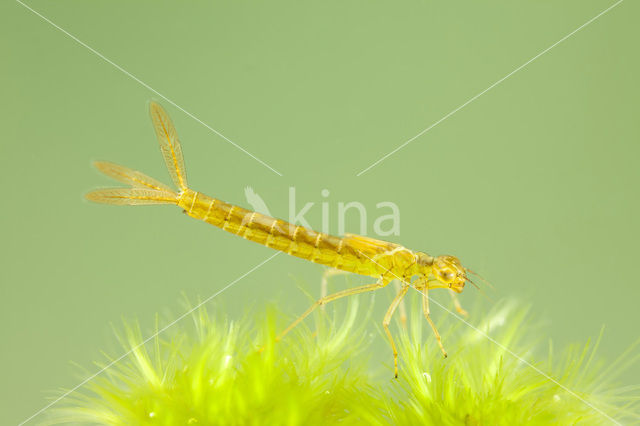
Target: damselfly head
[(449, 271)]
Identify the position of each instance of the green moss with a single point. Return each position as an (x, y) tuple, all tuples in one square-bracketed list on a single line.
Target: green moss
[(489, 383), (212, 372)]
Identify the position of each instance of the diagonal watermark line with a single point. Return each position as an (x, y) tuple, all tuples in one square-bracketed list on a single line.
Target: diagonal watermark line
[(163, 329), (504, 348), (407, 142), (142, 83)]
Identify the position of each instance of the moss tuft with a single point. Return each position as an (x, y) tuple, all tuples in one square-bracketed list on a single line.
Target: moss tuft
[(212, 372)]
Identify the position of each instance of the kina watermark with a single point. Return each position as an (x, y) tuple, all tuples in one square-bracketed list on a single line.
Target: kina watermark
[(384, 221)]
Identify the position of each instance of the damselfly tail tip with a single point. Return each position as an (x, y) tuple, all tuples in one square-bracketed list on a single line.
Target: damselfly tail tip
[(102, 166)]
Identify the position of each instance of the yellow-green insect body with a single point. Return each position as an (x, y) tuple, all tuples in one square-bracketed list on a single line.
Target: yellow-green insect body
[(357, 254)]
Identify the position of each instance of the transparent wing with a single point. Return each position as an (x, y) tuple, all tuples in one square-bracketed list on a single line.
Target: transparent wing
[(129, 176), (368, 245), (169, 145), (131, 196)]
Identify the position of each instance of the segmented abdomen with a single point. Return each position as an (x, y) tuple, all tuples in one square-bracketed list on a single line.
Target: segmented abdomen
[(277, 234)]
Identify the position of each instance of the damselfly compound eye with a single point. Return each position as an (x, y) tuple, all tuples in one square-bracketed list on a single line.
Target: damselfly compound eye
[(446, 275)]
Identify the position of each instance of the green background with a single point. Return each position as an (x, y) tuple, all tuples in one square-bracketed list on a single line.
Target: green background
[(535, 184)]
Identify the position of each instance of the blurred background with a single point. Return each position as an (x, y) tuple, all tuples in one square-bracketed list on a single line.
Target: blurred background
[(534, 184)]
